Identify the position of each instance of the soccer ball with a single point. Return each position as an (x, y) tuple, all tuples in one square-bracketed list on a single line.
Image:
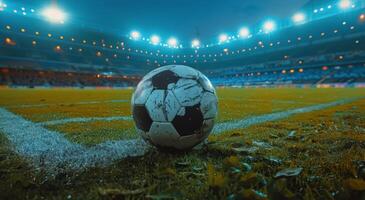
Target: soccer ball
[(174, 107)]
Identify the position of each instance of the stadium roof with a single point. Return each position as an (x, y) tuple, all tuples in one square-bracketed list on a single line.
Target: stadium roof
[(184, 19)]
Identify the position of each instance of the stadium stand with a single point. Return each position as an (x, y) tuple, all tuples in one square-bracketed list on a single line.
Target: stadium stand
[(328, 49)]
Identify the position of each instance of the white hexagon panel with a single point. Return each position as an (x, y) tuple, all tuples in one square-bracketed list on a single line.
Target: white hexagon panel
[(188, 92)]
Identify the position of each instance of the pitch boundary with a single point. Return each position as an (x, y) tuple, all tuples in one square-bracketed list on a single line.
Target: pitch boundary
[(52, 151), (85, 119)]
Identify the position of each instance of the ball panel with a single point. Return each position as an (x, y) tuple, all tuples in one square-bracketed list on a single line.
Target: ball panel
[(172, 106), (190, 123), (141, 117), (143, 91), (162, 80), (208, 105), (185, 72), (205, 83), (155, 106), (163, 134), (162, 105), (188, 92)]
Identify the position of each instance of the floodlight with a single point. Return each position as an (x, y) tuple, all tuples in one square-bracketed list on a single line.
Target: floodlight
[(244, 32), (345, 4), (54, 14), (135, 35), (223, 37), (299, 17), (172, 42), (195, 43), (269, 26), (155, 39)]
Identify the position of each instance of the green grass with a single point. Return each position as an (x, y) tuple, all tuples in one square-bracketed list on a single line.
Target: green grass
[(234, 103), (327, 144)]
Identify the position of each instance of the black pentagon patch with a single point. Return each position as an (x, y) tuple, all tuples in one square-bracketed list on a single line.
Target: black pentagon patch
[(163, 79), (142, 118), (191, 123)]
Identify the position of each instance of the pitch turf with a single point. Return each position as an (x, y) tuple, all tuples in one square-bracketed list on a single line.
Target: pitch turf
[(327, 144), (43, 105)]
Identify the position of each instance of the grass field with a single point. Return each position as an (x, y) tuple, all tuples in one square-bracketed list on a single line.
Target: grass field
[(325, 148)]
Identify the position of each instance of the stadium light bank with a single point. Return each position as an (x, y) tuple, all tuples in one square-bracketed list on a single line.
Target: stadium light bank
[(155, 40), (54, 15), (195, 43), (299, 18), (345, 4), (2, 5), (244, 32), (135, 35), (223, 38), (172, 42), (269, 26)]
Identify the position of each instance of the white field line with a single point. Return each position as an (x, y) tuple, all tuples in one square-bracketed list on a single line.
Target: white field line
[(243, 123), (67, 104), (85, 119), (268, 101), (50, 150)]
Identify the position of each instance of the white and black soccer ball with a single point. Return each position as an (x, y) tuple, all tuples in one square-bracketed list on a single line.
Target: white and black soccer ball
[(174, 107)]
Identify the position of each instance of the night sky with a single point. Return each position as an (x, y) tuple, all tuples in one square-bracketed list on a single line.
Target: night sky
[(184, 19)]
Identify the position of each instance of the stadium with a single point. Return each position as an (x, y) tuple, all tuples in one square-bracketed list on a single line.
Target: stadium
[(291, 102)]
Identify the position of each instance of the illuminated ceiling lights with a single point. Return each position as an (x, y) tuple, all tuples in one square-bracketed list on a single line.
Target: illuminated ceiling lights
[(345, 4), (362, 17), (155, 40), (195, 43), (172, 42), (244, 32), (223, 38), (269, 26), (54, 15), (298, 18), (135, 35), (2, 6)]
